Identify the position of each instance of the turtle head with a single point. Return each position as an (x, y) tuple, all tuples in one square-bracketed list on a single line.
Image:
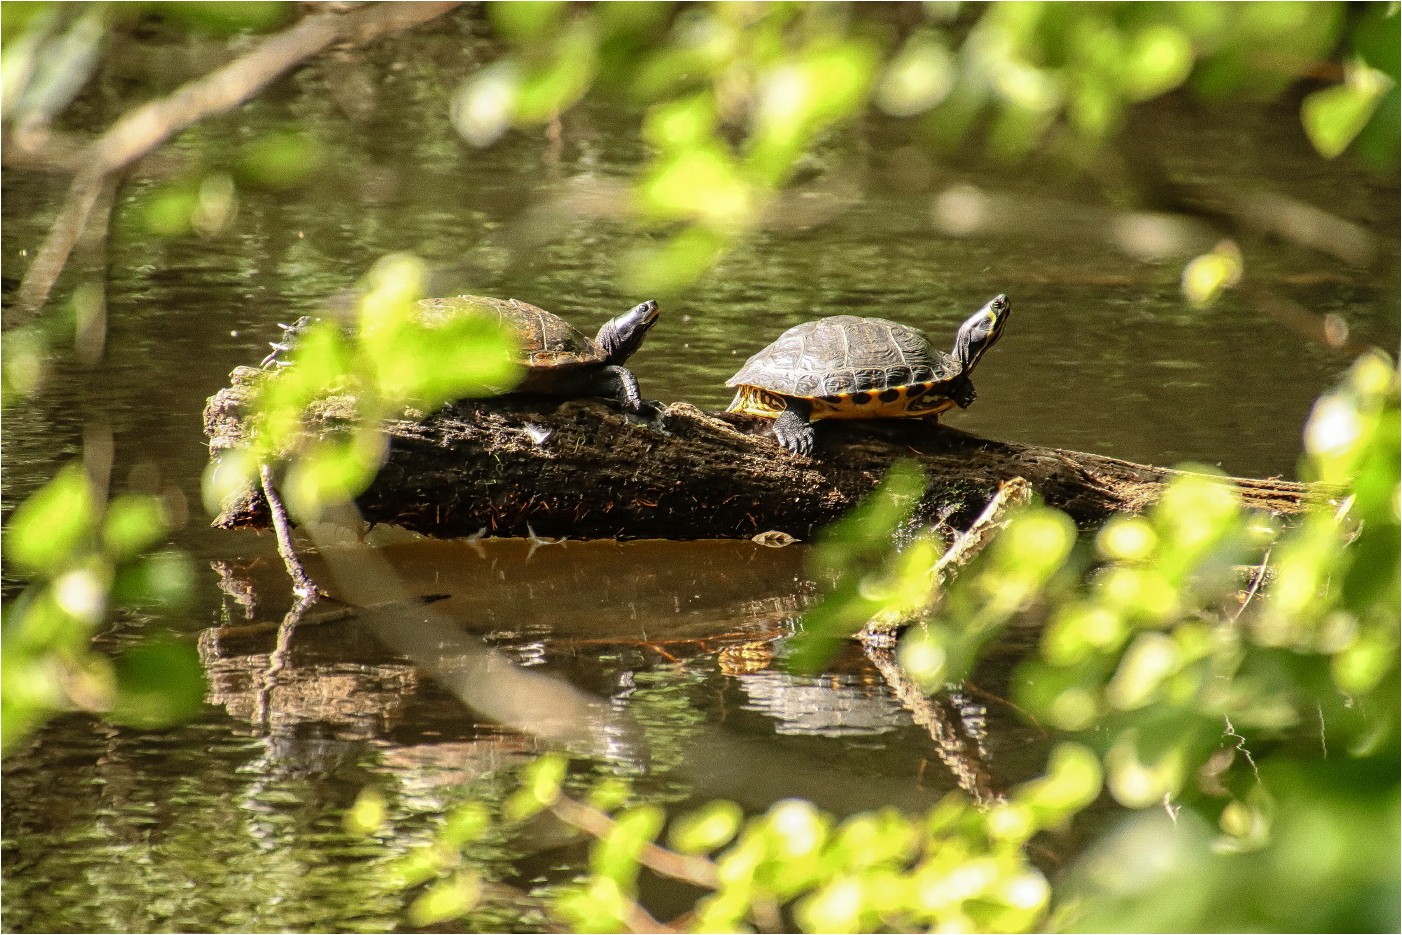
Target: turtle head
[(981, 331), (620, 337)]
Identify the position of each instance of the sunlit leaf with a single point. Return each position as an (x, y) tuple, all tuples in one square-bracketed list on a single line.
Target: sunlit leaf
[(701, 183), (390, 289), (610, 793), (167, 211), (705, 829), (134, 522), (541, 782), (836, 907), (616, 856), (466, 824), (447, 900), (918, 78), (55, 522), (332, 471), (1207, 276), (678, 262), (483, 106), (689, 121), (471, 355), (165, 579), (1333, 117), (367, 813), (24, 364), (1160, 59), (1071, 782)]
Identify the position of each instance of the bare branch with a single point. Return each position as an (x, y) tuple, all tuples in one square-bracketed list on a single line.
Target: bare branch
[(145, 128)]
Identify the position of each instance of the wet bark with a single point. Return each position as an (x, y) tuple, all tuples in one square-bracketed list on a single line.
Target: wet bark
[(519, 466)]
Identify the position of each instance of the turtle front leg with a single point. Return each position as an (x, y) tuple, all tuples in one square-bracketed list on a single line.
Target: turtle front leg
[(793, 430), (623, 386)]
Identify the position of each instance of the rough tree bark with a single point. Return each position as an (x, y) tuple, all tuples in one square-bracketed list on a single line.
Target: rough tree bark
[(518, 466)]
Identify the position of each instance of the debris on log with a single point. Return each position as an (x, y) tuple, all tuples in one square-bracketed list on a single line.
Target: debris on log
[(580, 468)]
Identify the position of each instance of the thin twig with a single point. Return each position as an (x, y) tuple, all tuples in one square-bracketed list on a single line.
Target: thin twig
[(1255, 585), (145, 128), (698, 871), (302, 584)]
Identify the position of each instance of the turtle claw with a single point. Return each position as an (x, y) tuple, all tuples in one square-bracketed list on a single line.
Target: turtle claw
[(794, 433)]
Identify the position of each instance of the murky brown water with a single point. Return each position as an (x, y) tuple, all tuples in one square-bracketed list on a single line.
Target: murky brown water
[(233, 822)]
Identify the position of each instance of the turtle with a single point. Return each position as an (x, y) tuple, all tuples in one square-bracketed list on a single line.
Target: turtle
[(849, 367), (559, 359)]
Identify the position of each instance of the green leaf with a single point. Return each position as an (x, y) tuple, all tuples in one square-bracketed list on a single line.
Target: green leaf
[(47, 530), (158, 684), (165, 579), (1207, 276), (553, 86), (24, 363), (541, 782), (706, 828), (918, 78), (610, 793), (281, 160), (465, 824), (676, 263), (332, 471), (702, 183), (616, 856), (525, 20), (1160, 58), (446, 900), (168, 211), (134, 523), (470, 355), (1335, 116), (688, 122), (367, 814), (225, 18)]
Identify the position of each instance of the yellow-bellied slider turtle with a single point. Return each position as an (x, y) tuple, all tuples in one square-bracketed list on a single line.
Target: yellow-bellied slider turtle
[(846, 367), (559, 359)]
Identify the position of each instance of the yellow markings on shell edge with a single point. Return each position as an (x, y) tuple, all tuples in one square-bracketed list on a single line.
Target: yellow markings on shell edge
[(905, 402)]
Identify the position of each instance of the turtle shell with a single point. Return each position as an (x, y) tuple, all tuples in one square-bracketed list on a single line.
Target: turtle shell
[(547, 341), (843, 356)]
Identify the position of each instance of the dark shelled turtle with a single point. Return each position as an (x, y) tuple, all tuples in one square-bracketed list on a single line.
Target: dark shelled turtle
[(559, 359), (846, 367)]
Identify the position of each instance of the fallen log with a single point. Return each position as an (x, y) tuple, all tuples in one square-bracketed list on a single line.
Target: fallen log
[(579, 468)]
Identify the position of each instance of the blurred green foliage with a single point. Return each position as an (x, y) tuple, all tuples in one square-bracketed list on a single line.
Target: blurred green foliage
[(84, 558), (1249, 726), (740, 94), (957, 867)]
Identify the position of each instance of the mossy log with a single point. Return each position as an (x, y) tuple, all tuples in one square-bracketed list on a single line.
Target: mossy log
[(519, 466)]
